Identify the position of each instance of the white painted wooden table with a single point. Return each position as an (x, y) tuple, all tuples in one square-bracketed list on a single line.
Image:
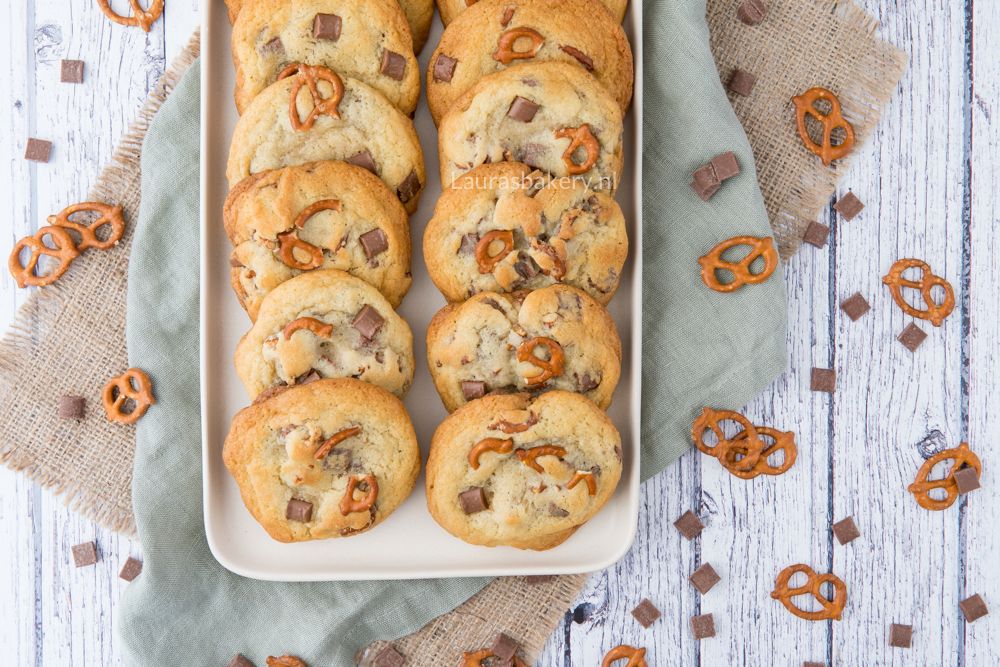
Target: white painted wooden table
[(929, 179)]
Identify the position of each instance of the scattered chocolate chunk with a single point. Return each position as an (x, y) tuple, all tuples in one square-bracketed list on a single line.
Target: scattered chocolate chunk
[(393, 65), (704, 578), (911, 337), (522, 109), (752, 12), (725, 166), (468, 244), (581, 57), (389, 657), (849, 206), (72, 407), (817, 234), (299, 510), (363, 160), (131, 569), (472, 500), (240, 661), (409, 188), (504, 647), (368, 322), (235, 262), (703, 626), (526, 267), (689, 525), (508, 14), (967, 480), (555, 510), (813, 664), (71, 71), (900, 636), (374, 243), (327, 26), (704, 182), (973, 608), (588, 383), (273, 46), (38, 150), (473, 389), (823, 379), (855, 306), (536, 579), (646, 613), (742, 82), (444, 68), (846, 530), (85, 554)]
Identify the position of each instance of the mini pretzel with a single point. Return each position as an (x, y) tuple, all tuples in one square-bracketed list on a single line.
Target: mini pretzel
[(321, 329), (349, 505), (484, 259), (579, 136), (475, 658), (805, 105), (308, 75), (498, 445), (759, 247), (529, 456), (895, 280), (335, 440), (110, 215), (921, 487), (738, 446), (64, 252), (505, 52), (831, 608), (710, 419), (142, 18), (509, 427), (585, 476), (134, 384), (551, 367), (314, 208), (289, 242), (636, 656)]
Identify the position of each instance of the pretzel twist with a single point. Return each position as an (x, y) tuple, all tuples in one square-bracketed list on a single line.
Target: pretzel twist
[(529, 457), (64, 251), (132, 384), (805, 106), (484, 259), (506, 51), (579, 137), (739, 447), (831, 608), (110, 215), (335, 440), (759, 247), (476, 658), (585, 476), (921, 487), (550, 368), (309, 76), (141, 18), (935, 313), (321, 329), (636, 656), (349, 505), (289, 242), (498, 445)]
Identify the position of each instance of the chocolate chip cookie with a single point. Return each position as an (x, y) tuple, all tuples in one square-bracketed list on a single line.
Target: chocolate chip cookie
[(503, 227), (552, 116), (320, 215), (450, 9), (523, 472), (325, 323), (313, 114), (494, 34), (331, 458), (556, 337), (367, 40)]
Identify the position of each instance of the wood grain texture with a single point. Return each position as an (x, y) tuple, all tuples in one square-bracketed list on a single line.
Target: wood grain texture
[(928, 179)]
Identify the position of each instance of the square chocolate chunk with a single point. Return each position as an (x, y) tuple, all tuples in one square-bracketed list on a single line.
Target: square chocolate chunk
[(473, 500), (752, 12), (393, 65), (299, 510), (646, 613), (966, 479), (327, 26), (444, 68), (703, 626), (725, 166), (409, 188), (240, 661), (38, 150), (72, 407), (846, 530), (71, 71), (522, 109), (816, 234), (848, 206), (973, 608), (704, 578), (704, 182), (85, 554), (580, 56), (855, 306), (813, 664), (742, 82), (911, 337), (368, 322), (504, 647), (389, 657), (900, 636), (131, 569), (374, 243), (275, 46), (689, 525), (536, 579), (823, 379), (473, 389), (363, 160)]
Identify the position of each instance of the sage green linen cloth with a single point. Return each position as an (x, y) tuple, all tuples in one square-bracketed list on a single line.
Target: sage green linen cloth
[(700, 348)]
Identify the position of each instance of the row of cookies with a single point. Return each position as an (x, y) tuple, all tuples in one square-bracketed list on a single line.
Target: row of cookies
[(324, 166), (527, 244)]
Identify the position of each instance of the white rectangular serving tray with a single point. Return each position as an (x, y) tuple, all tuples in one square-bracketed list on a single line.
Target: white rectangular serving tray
[(409, 544)]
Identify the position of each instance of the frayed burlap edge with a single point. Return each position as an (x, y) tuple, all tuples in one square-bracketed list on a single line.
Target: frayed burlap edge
[(69, 338)]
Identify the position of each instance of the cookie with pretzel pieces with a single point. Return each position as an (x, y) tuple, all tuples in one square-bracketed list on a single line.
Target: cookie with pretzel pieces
[(512, 470), (495, 34), (418, 15), (325, 323), (331, 458), (325, 215), (556, 337), (552, 116), (354, 39), (451, 9), (314, 114), (561, 232)]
